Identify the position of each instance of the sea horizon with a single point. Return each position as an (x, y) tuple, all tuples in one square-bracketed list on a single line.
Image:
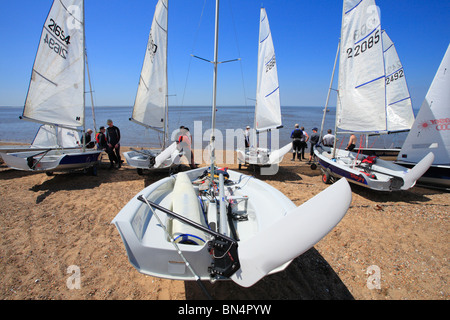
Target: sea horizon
[(14, 130)]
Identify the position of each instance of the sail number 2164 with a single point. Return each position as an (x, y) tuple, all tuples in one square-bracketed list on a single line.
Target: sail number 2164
[(364, 46)]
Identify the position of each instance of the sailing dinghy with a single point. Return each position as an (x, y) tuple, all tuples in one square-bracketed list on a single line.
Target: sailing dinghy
[(56, 95), (267, 108), (151, 105), (431, 131), (213, 223), (48, 137), (372, 98)]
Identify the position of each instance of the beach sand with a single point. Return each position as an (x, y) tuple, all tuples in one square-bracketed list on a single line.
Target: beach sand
[(49, 223)]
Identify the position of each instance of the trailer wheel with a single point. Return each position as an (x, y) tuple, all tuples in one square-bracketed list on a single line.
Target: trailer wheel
[(326, 177)]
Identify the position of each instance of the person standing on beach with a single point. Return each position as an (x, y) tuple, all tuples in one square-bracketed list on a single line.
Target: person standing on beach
[(113, 142), (247, 137), (87, 139), (184, 142), (303, 142), (296, 135), (314, 139), (100, 137), (328, 139)]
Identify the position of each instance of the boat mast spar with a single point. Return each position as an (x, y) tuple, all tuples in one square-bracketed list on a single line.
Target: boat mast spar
[(213, 122)]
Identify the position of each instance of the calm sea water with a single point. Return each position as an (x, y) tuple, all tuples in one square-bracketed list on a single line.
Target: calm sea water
[(12, 129)]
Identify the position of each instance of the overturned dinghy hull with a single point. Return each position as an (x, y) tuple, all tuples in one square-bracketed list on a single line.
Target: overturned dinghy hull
[(380, 175), (264, 227), (262, 156), (52, 160), (154, 159)]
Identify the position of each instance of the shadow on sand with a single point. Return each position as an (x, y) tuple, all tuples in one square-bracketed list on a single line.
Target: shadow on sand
[(308, 277)]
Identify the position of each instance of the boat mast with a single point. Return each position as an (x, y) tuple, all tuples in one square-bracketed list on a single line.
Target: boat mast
[(84, 79), (216, 51), (166, 115), (90, 90), (329, 90)]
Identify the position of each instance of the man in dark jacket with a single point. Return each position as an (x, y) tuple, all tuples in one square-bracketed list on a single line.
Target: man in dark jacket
[(100, 137), (113, 144), (296, 135), (87, 139)]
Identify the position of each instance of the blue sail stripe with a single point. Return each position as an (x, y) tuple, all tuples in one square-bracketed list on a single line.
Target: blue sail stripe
[(370, 82), (368, 34), (272, 92), (389, 48), (354, 7), (265, 38), (273, 57), (394, 72), (400, 101)]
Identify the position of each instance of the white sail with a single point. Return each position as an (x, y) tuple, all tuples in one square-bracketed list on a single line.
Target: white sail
[(56, 91), (361, 97), (267, 110), (150, 107), (399, 111), (50, 136), (431, 130)]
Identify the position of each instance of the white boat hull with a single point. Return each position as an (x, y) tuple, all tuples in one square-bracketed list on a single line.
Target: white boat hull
[(153, 159), (381, 175), (262, 156), (51, 161), (259, 210), (437, 176)]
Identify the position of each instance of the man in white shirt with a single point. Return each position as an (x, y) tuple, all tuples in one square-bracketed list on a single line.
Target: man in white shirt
[(328, 139)]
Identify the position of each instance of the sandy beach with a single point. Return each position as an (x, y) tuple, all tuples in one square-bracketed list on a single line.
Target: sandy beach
[(49, 223)]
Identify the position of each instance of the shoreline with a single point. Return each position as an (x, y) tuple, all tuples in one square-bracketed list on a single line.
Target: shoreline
[(49, 223)]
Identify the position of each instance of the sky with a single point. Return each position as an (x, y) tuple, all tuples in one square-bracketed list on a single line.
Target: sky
[(305, 35)]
